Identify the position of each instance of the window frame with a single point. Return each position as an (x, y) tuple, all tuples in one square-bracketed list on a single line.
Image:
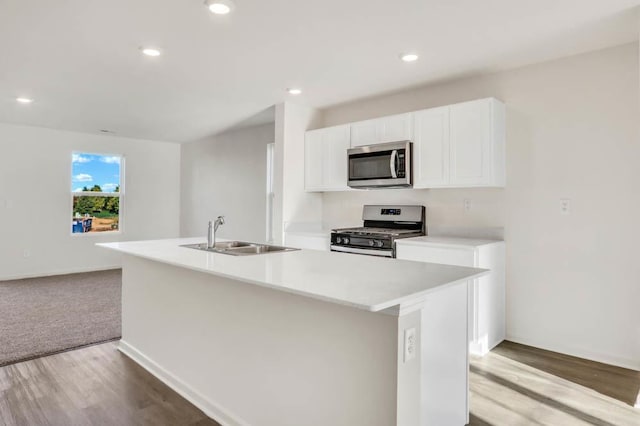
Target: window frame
[(119, 194)]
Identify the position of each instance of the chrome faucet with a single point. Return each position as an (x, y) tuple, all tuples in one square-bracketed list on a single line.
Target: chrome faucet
[(213, 227)]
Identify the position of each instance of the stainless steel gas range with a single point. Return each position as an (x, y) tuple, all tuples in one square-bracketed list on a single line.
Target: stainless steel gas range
[(383, 225)]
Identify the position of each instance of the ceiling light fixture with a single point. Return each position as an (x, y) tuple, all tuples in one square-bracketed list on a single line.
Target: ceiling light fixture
[(24, 100), (293, 91), (220, 7), (151, 51), (409, 57)]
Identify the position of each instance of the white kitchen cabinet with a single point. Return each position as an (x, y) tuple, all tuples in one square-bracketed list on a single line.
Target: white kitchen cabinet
[(477, 143), (325, 159), (461, 145), (486, 294), (431, 148), (392, 128), (454, 146)]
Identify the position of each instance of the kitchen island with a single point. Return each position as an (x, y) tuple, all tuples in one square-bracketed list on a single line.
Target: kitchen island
[(301, 337)]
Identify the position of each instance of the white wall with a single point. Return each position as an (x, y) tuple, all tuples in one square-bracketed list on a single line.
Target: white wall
[(293, 204), (35, 200), (572, 132), (226, 175)]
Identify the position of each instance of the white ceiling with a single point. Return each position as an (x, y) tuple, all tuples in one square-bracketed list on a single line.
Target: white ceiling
[(80, 61)]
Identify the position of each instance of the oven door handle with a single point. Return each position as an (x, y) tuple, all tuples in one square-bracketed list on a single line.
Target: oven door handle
[(392, 163), (371, 252)]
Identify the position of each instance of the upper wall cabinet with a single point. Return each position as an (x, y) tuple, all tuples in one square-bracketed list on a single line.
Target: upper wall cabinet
[(431, 148), (478, 143), (325, 159), (461, 145), (381, 130), (454, 146)]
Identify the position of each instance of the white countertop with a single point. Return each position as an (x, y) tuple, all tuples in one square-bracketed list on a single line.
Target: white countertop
[(468, 243), (363, 282)]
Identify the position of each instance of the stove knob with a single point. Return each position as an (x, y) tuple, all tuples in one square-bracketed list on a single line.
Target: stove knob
[(345, 240), (338, 240), (371, 243), (378, 243)]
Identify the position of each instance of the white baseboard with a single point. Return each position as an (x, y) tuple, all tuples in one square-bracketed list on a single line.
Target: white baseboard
[(478, 349), (60, 272), (210, 408), (632, 364)]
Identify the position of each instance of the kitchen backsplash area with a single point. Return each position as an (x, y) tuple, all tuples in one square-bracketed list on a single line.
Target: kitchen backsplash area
[(471, 212)]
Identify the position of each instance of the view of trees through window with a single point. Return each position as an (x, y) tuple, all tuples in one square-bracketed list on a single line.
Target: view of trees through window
[(96, 204)]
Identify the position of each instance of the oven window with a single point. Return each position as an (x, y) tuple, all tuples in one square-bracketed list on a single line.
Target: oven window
[(370, 166)]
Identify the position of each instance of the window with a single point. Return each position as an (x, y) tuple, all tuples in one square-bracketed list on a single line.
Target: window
[(96, 191)]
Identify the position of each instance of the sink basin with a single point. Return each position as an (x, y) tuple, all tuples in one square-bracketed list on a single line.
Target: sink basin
[(239, 248), (230, 244), (223, 245), (256, 249)]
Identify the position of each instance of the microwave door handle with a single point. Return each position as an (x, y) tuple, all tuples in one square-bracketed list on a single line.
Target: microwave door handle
[(392, 163)]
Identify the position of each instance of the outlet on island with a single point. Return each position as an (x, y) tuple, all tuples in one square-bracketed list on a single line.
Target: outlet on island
[(410, 344)]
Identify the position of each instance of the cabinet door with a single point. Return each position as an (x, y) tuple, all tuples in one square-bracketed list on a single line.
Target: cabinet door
[(364, 133), (313, 160), (470, 143), (382, 130), (431, 148), (395, 128), (336, 142)]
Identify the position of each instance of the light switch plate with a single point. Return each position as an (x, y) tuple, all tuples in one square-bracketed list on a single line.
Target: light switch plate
[(565, 206)]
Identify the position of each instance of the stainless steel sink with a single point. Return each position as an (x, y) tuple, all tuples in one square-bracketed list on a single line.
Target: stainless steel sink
[(239, 248)]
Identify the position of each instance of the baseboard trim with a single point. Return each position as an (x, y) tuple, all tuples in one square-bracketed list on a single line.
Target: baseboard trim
[(578, 352), (210, 408), (61, 272)]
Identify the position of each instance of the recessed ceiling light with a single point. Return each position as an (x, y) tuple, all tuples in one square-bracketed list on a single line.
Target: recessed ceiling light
[(24, 100), (293, 91), (409, 57), (220, 7), (151, 51)]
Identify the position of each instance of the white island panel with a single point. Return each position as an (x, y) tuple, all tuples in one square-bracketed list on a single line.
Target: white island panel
[(248, 355)]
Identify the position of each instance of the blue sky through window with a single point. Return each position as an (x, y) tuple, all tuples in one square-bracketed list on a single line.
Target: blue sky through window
[(93, 169)]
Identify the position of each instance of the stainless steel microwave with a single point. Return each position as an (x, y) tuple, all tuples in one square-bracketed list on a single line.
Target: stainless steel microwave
[(380, 166)]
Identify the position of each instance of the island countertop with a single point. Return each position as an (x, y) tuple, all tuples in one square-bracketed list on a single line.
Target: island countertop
[(364, 282)]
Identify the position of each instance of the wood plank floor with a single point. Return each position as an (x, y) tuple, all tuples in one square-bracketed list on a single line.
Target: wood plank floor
[(513, 385), (95, 385), (520, 385)]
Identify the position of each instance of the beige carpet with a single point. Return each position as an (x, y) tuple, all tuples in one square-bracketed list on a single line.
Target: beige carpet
[(39, 316)]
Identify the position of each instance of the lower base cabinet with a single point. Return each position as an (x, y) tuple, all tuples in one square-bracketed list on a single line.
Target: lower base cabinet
[(486, 294)]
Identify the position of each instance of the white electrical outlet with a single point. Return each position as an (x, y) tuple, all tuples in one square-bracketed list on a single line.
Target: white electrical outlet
[(410, 344), (565, 206), (467, 204), (26, 253)]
